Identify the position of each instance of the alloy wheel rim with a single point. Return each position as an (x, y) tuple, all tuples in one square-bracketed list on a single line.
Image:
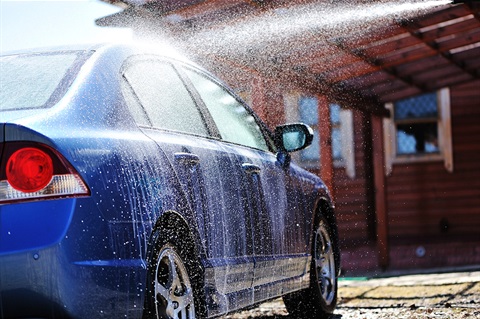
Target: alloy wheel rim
[(325, 263), (173, 290)]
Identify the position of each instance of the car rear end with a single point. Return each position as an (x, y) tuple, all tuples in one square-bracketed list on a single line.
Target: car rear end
[(39, 189), (39, 194), (56, 256), (81, 188)]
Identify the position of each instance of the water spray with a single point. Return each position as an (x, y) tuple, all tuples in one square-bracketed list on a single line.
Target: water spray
[(309, 23)]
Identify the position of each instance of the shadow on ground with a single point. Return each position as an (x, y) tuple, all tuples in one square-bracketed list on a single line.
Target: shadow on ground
[(251, 316), (288, 317)]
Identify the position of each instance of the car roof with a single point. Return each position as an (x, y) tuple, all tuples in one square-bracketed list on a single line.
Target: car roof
[(46, 49), (135, 47)]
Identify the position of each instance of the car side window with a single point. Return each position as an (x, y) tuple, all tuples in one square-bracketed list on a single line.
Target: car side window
[(164, 97), (234, 122)]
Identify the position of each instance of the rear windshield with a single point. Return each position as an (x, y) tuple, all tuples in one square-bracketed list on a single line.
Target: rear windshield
[(33, 81)]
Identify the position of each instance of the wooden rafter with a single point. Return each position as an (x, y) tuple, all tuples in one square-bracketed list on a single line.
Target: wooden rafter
[(358, 68), (475, 33), (378, 65)]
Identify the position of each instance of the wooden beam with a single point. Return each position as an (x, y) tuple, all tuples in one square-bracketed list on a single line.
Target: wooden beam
[(442, 48), (380, 191), (259, 97), (207, 7), (267, 101), (336, 92), (383, 63), (325, 133)]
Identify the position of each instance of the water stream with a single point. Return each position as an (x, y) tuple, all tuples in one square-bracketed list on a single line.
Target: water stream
[(274, 33)]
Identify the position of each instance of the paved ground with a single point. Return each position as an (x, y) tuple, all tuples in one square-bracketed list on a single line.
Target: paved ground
[(454, 295)]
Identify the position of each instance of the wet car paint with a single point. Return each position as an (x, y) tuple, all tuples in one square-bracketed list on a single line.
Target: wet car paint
[(86, 257)]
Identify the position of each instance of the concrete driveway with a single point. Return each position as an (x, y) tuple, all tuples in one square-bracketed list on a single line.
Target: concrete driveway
[(453, 295)]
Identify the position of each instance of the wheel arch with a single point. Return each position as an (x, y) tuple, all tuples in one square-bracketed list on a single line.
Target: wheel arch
[(173, 228), (325, 208), (171, 225)]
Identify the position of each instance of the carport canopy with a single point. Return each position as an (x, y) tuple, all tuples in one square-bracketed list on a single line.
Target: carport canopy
[(374, 52)]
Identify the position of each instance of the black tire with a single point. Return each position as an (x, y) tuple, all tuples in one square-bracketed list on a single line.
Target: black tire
[(320, 299), (174, 281)]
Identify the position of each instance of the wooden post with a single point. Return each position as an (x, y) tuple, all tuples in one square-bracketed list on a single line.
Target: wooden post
[(258, 97), (380, 191), (325, 137), (267, 101)]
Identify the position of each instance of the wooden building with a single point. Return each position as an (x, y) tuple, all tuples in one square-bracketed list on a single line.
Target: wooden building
[(392, 89)]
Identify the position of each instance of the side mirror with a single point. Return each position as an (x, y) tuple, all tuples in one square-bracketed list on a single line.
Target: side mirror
[(293, 137)]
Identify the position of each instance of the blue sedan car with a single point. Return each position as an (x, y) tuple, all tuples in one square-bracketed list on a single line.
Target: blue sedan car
[(133, 184)]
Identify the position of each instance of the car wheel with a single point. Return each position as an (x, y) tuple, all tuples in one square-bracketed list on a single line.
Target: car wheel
[(174, 289), (320, 299)]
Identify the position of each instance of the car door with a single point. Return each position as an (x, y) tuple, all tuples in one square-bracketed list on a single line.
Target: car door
[(274, 200), (166, 112)]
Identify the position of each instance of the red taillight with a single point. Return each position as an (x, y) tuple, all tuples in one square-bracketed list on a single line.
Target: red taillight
[(29, 170)]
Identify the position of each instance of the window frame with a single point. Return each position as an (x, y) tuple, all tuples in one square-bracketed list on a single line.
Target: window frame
[(266, 134), (212, 131), (347, 140), (444, 134)]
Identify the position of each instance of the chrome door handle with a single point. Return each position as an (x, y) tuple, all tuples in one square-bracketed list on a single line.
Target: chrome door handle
[(186, 158), (251, 168)]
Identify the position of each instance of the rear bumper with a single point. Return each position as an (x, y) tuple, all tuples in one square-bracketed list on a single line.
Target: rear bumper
[(34, 225), (43, 284), (56, 262), (31, 284)]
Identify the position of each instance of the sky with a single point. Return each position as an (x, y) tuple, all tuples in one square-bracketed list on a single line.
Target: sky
[(41, 23)]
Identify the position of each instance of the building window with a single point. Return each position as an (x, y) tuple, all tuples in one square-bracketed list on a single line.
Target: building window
[(419, 130), (343, 151), (305, 109), (416, 123), (308, 114)]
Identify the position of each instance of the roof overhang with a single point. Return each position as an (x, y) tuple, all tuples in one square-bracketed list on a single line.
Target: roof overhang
[(355, 55)]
